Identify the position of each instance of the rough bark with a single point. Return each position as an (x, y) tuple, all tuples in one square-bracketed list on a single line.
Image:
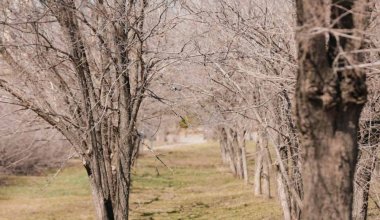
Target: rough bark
[(330, 95), (288, 163), (366, 165), (367, 159), (293, 153), (369, 138)]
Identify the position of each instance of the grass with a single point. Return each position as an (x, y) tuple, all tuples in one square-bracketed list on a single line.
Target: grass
[(66, 196), (196, 186)]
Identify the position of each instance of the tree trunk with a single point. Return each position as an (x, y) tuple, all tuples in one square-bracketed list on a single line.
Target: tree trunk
[(102, 208), (234, 152), (223, 145), (267, 162), (238, 154), (258, 167), (283, 191), (245, 166), (293, 154), (266, 177), (330, 96), (370, 141), (283, 197), (363, 176), (111, 188), (289, 180), (232, 148), (262, 166), (231, 151)]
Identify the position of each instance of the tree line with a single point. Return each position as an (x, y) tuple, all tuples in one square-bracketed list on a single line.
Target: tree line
[(300, 75)]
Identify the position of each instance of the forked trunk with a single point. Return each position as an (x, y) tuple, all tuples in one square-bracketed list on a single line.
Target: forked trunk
[(111, 190), (103, 211), (108, 208)]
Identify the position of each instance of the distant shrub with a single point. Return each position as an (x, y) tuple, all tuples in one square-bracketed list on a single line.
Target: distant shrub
[(27, 145)]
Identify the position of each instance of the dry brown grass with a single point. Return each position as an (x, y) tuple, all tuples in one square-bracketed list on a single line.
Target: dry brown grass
[(198, 187)]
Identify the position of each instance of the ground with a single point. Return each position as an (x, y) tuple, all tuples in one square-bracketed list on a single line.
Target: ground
[(195, 185)]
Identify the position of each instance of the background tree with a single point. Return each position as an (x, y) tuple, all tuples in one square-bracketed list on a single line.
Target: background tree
[(28, 145), (230, 69)]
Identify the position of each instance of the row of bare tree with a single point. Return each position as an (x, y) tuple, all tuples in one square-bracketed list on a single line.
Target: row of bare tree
[(242, 67), (250, 51)]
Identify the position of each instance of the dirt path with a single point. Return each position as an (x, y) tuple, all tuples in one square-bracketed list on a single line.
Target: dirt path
[(196, 186)]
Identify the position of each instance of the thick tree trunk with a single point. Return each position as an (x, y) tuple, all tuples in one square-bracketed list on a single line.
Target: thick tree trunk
[(103, 212), (111, 188), (330, 96)]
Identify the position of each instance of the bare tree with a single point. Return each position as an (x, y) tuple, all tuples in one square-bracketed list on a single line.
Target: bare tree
[(248, 55), (84, 66)]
